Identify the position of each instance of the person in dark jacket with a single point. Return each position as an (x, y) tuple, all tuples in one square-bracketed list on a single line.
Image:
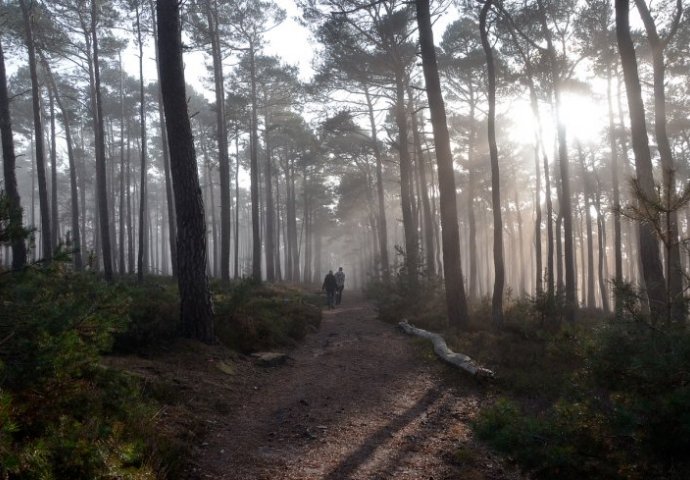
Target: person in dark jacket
[(330, 285)]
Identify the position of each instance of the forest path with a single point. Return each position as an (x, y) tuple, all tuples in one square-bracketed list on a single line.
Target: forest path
[(357, 400)]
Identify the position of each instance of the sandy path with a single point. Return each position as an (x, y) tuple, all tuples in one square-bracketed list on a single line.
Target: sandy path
[(356, 401)]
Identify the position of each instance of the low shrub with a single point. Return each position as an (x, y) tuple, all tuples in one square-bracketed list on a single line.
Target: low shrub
[(620, 412), (62, 414), (251, 317), (154, 314)]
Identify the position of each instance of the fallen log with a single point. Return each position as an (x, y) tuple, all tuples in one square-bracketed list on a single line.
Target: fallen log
[(441, 349)]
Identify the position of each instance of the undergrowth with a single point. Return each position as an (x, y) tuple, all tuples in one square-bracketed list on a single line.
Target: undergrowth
[(252, 317), (601, 398), (62, 414)]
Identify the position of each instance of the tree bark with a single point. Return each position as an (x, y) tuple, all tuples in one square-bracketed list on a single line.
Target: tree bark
[(409, 223), (196, 309), (674, 270), (423, 189), (591, 296), (565, 203), (9, 173), (169, 195), (74, 193), (613, 145), (55, 232), (101, 177), (456, 303), (143, 213), (269, 243), (222, 139), (254, 171), (121, 258), (649, 245), (383, 226), (46, 236), (499, 267)]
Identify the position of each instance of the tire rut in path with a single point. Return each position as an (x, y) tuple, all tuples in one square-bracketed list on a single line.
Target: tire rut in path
[(357, 401)]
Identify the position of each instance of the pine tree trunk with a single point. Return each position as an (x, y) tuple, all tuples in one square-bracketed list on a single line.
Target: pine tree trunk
[(196, 309), (409, 224), (649, 245), (77, 258), (565, 201), (143, 212), (55, 232), (674, 270), (121, 259), (424, 191), (499, 268), (591, 296), (222, 139), (237, 206), (254, 171), (269, 242), (101, 177), (456, 302), (613, 145), (169, 196), (9, 173), (46, 235), (601, 235), (383, 227)]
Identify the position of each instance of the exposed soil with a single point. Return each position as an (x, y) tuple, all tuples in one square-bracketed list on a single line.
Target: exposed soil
[(357, 400)]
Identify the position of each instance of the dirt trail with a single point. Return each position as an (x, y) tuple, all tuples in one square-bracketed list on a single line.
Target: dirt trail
[(356, 401)]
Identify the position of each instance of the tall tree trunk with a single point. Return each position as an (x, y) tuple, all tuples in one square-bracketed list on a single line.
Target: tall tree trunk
[(601, 235), (254, 171), (307, 274), (121, 259), (279, 272), (9, 173), (196, 309), (54, 222), (237, 205), (591, 296), (424, 189), (130, 220), (649, 244), (456, 302), (269, 243), (499, 268), (74, 195), (101, 178), (613, 145), (46, 236), (143, 208), (222, 139), (409, 223), (471, 217), (383, 227), (674, 270), (565, 206), (169, 196)]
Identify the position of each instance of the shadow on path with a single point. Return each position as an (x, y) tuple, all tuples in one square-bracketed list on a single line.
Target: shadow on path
[(357, 458)]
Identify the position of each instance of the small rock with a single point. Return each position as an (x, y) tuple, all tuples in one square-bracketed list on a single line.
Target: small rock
[(270, 359)]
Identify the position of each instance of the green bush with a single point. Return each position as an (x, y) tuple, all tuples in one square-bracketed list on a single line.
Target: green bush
[(251, 317), (62, 414), (422, 303), (154, 314)]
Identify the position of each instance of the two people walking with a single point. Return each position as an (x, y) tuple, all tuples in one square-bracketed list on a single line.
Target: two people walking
[(334, 284)]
